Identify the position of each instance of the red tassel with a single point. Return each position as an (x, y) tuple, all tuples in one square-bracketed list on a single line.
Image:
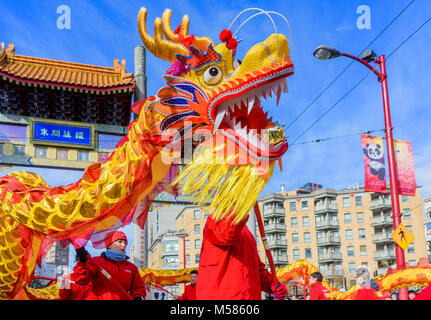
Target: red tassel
[(225, 35), (231, 44)]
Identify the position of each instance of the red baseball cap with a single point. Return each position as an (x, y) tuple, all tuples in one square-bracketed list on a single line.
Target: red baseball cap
[(114, 236)]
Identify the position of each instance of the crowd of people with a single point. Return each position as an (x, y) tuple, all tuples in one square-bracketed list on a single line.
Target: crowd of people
[(111, 277)]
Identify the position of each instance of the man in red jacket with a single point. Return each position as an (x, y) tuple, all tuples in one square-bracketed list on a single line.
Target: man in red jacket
[(190, 290), (111, 276), (229, 266), (317, 291)]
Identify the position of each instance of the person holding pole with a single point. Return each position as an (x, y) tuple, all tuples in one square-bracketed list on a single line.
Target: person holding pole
[(230, 267), (111, 276)]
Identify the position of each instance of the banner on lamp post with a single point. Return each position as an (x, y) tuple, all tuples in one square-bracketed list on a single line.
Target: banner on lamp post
[(405, 168), (374, 162)]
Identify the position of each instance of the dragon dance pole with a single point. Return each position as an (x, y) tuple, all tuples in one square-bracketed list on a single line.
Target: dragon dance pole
[(265, 241)]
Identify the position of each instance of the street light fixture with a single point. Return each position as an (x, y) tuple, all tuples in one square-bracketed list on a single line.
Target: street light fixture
[(325, 53)]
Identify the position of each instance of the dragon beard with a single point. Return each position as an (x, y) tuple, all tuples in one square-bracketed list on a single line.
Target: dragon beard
[(225, 190)]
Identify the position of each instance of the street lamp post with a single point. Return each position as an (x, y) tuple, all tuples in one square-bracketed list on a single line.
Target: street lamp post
[(325, 53)]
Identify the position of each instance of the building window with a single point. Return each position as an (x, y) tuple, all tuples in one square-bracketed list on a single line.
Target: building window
[(83, 155), (352, 267), (41, 152), (62, 154), (361, 233), (305, 221), (296, 254), (320, 234), (281, 236), (295, 238), (282, 253), (197, 258), (350, 251), (206, 214), (412, 262), (406, 214), (411, 248), (358, 201), (347, 218), (197, 243), (187, 260), (410, 228), (346, 202), (360, 217), (404, 199), (349, 234), (197, 214), (304, 205), (363, 250), (307, 253), (197, 228), (187, 244), (307, 237), (280, 220), (292, 206), (294, 222)]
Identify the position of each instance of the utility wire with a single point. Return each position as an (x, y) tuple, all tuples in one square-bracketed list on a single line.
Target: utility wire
[(360, 81), (348, 66), (338, 137)]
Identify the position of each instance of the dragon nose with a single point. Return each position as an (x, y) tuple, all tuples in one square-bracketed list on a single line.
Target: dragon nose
[(274, 135)]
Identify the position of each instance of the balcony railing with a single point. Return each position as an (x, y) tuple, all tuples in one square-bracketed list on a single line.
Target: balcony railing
[(275, 227), (329, 257), (273, 211), (382, 237), (280, 259), (378, 221), (326, 224), (320, 208), (380, 203), (276, 243), (385, 255), (328, 241), (331, 272)]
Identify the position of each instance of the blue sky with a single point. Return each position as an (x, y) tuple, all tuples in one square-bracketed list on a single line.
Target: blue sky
[(104, 30)]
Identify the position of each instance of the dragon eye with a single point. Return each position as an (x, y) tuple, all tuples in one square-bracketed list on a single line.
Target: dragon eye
[(212, 75)]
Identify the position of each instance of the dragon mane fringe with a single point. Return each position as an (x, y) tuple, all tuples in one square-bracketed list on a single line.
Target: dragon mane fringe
[(225, 190)]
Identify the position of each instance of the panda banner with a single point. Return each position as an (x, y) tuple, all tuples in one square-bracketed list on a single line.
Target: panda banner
[(405, 168), (374, 161)]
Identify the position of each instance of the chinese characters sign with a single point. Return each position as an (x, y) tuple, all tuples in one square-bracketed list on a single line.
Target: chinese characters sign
[(53, 133)]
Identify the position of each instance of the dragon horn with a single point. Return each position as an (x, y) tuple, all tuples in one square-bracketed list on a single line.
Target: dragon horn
[(199, 42), (159, 47)]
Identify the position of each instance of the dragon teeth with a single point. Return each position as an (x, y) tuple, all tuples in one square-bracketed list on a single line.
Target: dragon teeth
[(250, 104)]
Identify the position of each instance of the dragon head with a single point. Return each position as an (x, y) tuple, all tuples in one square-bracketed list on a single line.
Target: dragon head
[(217, 96)]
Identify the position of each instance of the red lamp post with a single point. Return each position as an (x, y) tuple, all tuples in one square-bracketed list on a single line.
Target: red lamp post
[(183, 235), (324, 53)]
